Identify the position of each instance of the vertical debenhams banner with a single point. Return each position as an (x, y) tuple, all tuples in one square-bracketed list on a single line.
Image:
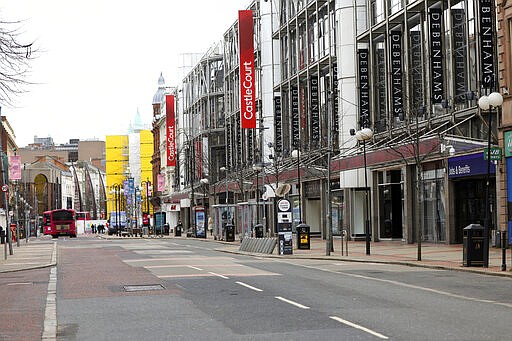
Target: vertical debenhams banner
[(247, 77), (459, 54), (364, 88), (170, 121), (487, 59), (396, 74), (278, 124), (436, 55), (315, 110)]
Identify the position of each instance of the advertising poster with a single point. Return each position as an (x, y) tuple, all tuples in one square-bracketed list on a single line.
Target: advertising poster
[(200, 224)]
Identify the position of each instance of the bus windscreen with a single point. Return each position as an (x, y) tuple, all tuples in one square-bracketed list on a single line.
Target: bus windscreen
[(62, 216)]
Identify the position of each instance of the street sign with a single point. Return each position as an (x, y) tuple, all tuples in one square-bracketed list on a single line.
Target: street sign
[(495, 153), (5, 188)]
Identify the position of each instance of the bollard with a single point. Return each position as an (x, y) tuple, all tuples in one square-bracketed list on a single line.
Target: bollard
[(503, 251)]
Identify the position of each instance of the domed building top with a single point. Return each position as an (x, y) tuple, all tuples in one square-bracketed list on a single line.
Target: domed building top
[(160, 93), (137, 124)]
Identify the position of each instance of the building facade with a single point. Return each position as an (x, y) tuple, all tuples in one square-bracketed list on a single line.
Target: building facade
[(324, 70)]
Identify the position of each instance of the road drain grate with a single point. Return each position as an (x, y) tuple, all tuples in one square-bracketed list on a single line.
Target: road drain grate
[(143, 287)]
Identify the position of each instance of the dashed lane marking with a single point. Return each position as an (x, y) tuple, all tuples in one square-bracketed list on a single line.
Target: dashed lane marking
[(406, 285), (357, 326), (249, 286), (298, 305), (195, 268), (218, 275)]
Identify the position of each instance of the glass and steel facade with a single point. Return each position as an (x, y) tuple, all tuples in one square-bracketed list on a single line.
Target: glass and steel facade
[(409, 70)]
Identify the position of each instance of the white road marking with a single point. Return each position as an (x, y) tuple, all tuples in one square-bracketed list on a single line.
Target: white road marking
[(353, 325), (185, 276), (435, 291), (292, 302), (195, 268), (218, 275), (20, 283), (248, 286), (50, 312), (412, 286), (174, 258)]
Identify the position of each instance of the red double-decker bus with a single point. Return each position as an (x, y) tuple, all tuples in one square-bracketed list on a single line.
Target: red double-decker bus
[(59, 223)]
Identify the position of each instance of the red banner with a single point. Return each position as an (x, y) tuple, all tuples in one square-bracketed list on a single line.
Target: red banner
[(199, 159), (15, 167), (247, 76), (170, 130)]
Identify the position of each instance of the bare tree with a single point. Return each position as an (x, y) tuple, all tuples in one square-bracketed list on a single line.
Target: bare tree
[(15, 57)]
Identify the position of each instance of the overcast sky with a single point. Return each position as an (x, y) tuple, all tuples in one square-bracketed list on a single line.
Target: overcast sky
[(100, 60)]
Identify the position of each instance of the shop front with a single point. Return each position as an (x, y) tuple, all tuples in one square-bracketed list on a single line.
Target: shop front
[(352, 182), (468, 188)]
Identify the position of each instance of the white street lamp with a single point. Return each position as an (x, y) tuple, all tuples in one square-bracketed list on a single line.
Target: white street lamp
[(364, 135), (224, 169), (490, 102)]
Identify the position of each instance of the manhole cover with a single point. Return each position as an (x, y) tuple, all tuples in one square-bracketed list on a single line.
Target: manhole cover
[(143, 287)]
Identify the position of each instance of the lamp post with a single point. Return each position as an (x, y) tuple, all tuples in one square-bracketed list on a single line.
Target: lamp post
[(257, 168), (205, 183), (136, 202), (487, 103), (116, 190), (296, 154), (148, 188), (364, 135), (225, 170)]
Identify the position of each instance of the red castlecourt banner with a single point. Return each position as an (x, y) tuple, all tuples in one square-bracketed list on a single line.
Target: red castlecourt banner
[(247, 76), (170, 121)]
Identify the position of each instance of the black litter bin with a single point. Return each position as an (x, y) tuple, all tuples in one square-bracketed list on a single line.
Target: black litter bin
[(303, 237), (230, 232), (473, 245), (177, 230), (258, 231), (2, 235)]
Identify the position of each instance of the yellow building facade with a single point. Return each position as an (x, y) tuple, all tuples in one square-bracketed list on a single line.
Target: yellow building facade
[(118, 151), (116, 166), (146, 172)]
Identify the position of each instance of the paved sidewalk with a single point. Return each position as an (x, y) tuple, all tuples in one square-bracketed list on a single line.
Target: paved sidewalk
[(41, 252), (37, 253), (437, 256)]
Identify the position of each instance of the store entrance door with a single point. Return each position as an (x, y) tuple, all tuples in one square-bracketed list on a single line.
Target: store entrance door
[(470, 204), (391, 204)]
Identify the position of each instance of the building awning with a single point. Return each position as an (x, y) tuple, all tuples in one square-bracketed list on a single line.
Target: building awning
[(175, 197)]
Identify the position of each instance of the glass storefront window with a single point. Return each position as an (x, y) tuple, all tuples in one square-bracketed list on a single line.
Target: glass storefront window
[(337, 213), (391, 204), (433, 203)]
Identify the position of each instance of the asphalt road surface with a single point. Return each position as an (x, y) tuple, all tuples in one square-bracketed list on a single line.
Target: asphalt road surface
[(173, 289)]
